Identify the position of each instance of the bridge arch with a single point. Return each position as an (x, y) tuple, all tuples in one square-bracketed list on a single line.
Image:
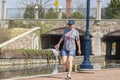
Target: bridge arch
[(112, 41)]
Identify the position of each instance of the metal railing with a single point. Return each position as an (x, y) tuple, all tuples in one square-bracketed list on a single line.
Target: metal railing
[(48, 13), (51, 13)]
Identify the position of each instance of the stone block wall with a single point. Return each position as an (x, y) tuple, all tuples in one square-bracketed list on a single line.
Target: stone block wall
[(22, 43), (97, 30)]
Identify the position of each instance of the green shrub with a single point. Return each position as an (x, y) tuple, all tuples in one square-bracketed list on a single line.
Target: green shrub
[(29, 53), (26, 24), (37, 54)]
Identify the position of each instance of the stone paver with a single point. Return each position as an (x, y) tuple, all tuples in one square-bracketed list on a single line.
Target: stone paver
[(104, 74)]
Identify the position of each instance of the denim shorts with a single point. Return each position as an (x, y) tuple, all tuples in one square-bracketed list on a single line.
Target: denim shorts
[(65, 52)]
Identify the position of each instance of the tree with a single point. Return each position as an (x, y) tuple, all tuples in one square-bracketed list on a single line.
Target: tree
[(64, 16), (112, 11), (77, 15), (29, 12), (80, 9), (51, 14), (29, 6), (24, 3)]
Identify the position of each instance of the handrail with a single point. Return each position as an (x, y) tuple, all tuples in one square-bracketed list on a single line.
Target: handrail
[(57, 19), (19, 36)]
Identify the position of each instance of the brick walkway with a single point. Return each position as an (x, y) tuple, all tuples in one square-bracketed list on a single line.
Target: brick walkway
[(104, 74)]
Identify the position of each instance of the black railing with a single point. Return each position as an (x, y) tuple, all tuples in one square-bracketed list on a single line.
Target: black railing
[(48, 13), (51, 13)]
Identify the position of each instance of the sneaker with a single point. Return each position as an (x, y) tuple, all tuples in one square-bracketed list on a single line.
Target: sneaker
[(68, 76)]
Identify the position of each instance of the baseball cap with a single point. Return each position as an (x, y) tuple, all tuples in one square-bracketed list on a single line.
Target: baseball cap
[(70, 22)]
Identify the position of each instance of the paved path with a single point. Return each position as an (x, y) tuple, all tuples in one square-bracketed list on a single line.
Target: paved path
[(104, 74)]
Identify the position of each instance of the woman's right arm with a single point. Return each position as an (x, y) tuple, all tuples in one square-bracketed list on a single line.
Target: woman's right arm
[(61, 40)]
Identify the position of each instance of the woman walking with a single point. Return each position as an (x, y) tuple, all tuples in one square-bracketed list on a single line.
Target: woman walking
[(70, 38)]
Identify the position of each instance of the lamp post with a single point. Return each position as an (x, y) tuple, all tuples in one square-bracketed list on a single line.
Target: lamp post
[(98, 10), (3, 13), (36, 12), (60, 12), (86, 64)]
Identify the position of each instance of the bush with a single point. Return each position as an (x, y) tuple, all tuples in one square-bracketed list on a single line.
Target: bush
[(27, 54), (26, 24)]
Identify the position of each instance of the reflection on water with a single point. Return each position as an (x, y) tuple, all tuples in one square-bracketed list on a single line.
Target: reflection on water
[(55, 69), (29, 70), (107, 64), (112, 64), (40, 69)]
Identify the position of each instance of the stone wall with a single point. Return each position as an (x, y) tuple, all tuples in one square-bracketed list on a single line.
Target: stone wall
[(97, 30), (22, 43), (27, 40), (104, 26), (77, 60), (4, 62)]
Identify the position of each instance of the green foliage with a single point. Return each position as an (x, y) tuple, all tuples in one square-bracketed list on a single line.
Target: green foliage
[(113, 10), (91, 17), (64, 16), (27, 54), (47, 14), (27, 24), (19, 24), (51, 14), (35, 53), (30, 11), (77, 15)]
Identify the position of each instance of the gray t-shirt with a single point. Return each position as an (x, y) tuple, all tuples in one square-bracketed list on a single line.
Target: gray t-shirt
[(69, 37)]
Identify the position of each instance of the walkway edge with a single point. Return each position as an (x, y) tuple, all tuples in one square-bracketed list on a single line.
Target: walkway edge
[(32, 76)]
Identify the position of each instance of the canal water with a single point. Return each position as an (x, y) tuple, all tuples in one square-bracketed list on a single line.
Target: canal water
[(14, 71)]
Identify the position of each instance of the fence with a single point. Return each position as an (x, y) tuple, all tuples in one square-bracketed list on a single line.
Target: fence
[(48, 13), (51, 13)]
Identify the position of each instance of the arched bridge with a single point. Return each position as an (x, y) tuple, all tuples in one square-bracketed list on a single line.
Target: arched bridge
[(102, 34)]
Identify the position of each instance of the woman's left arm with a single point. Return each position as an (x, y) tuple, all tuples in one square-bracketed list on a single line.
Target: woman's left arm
[(79, 48), (78, 42)]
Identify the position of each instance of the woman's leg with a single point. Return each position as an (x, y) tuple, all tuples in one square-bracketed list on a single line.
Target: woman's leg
[(65, 62), (70, 60)]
